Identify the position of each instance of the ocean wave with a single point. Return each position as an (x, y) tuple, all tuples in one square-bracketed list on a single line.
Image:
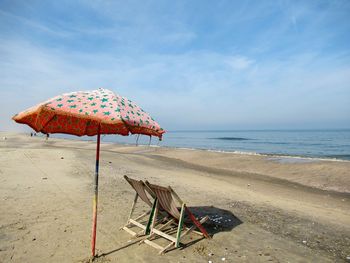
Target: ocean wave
[(340, 156), (334, 158), (326, 158), (230, 138)]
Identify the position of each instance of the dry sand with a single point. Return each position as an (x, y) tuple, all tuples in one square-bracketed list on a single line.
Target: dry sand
[(262, 209)]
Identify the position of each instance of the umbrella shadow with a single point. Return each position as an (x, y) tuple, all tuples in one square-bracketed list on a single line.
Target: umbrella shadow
[(102, 255), (220, 220)]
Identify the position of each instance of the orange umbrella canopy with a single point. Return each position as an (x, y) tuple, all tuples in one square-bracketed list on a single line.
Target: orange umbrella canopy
[(89, 113)]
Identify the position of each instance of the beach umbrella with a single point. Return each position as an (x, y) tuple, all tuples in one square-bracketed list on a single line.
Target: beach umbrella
[(90, 113)]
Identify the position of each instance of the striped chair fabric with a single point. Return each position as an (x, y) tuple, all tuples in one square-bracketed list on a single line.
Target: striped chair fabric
[(166, 200)]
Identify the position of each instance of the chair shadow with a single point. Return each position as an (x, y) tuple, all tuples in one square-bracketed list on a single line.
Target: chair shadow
[(220, 220)]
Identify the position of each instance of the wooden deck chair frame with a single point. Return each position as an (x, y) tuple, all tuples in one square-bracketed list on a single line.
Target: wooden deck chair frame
[(165, 199), (140, 188)]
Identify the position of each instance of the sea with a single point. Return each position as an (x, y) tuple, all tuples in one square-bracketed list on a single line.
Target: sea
[(307, 144), (324, 144)]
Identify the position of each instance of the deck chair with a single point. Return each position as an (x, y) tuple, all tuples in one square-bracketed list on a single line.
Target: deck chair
[(140, 189), (165, 199)]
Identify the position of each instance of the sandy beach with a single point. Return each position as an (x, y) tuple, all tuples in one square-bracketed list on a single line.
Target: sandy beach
[(262, 209)]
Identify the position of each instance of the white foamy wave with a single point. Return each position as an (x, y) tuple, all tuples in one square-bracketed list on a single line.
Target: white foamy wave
[(284, 158)]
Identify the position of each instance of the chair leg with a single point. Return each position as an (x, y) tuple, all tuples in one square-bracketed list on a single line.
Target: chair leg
[(152, 217), (181, 221), (143, 215), (133, 205), (131, 211), (178, 233), (166, 248), (129, 231)]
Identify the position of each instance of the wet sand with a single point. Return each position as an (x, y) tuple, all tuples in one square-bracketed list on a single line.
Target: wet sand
[(261, 209)]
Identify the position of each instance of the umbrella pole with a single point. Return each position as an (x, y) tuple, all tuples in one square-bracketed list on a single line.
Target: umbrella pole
[(94, 215)]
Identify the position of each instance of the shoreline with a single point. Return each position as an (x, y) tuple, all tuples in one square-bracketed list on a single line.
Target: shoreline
[(311, 158)]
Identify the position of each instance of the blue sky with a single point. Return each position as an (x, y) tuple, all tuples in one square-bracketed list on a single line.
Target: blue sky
[(190, 64)]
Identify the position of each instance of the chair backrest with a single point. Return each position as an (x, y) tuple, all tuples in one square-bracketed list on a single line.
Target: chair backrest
[(165, 199), (140, 187)]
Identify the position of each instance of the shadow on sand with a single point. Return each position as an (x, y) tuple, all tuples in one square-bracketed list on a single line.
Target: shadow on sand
[(220, 220)]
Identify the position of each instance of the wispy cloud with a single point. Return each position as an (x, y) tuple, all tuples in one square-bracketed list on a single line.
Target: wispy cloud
[(256, 67), (239, 62), (32, 25)]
